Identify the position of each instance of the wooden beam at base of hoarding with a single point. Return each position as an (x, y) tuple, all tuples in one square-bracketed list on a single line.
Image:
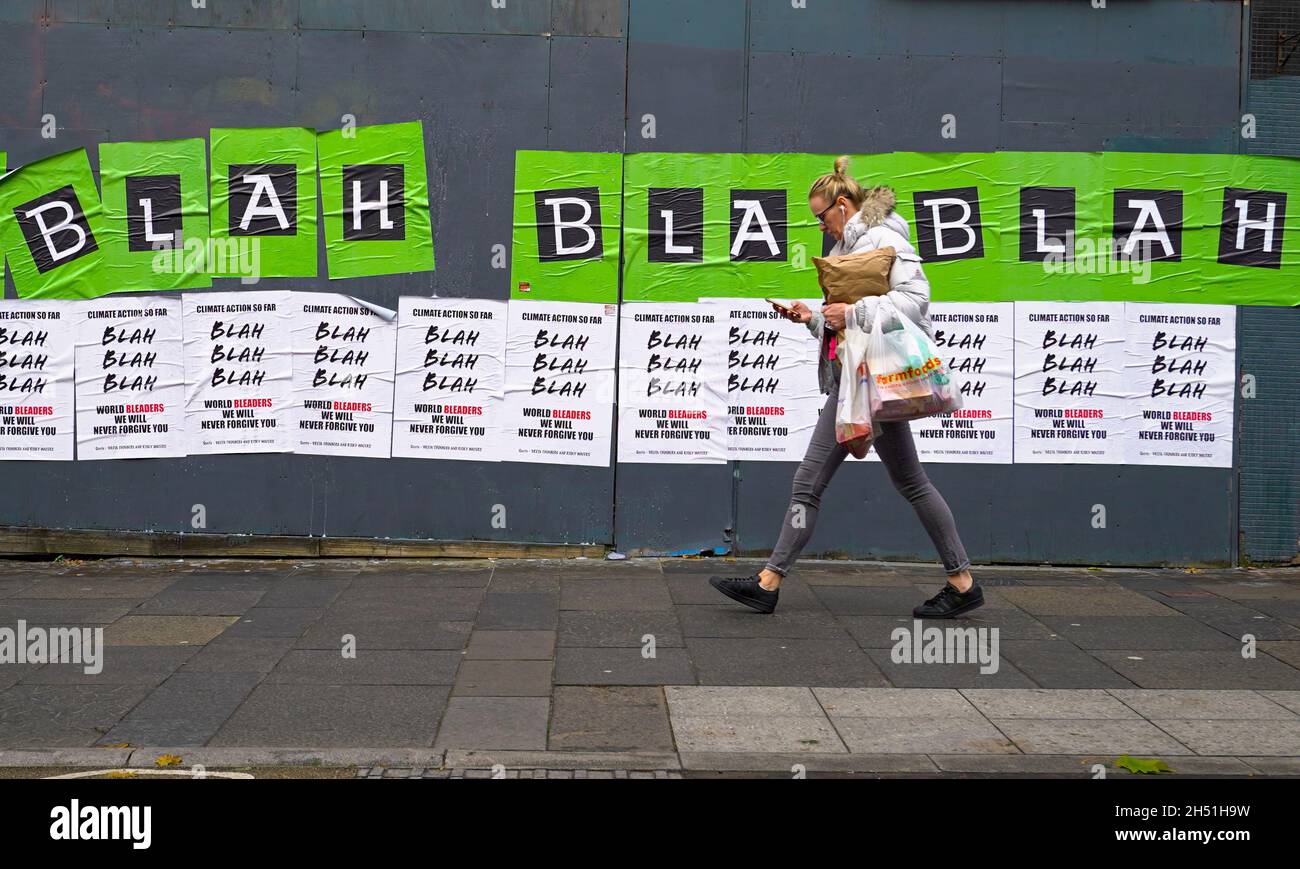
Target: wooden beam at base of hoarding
[(16, 540)]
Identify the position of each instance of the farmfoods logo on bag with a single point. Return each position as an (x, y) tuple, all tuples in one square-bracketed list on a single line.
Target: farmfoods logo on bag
[(911, 372)]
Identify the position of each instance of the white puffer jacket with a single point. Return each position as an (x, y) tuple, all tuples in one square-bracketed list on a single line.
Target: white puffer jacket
[(877, 225)]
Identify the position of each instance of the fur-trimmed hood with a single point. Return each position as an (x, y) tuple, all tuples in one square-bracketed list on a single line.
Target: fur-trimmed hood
[(877, 210)]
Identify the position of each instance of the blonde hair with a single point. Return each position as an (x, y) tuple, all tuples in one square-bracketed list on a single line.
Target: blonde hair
[(831, 186)]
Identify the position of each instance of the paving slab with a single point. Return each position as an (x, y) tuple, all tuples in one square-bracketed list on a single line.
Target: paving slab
[(321, 716), (511, 646), (183, 602), (239, 655), (135, 630), (121, 665), (921, 735), (1054, 601), (187, 709), (88, 588), (1048, 703), (1059, 663), (624, 595), (448, 604), (1287, 699), (369, 667), (767, 734), (931, 675), (1287, 652), (708, 701), (306, 592), (63, 612), (837, 663), (895, 703), (860, 601), (503, 679), (1204, 705), (619, 629), (1089, 736), (509, 723), (1139, 632), (609, 718), (408, 632), (63, 716), (275, 621), (522, 611), (1200, 669), (877, 632), (606, 666), (735, 620), (1236, 738)]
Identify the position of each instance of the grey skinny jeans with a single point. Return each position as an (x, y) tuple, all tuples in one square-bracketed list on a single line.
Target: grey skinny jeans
[(893, 443)]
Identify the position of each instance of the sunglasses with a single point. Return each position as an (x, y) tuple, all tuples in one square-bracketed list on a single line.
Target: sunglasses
[(821, 219)]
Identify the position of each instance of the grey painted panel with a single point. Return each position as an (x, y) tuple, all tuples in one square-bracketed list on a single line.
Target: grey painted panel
[(933, 27), (586, 100), (695, 95), (415, 498), (589, 17), (1037, 136), (1048, 89), (157, 84), (1007, 513), (263, 14), (1155, 31), (672, 509), (796, 103), (22, 69), (22, 10), (267, 494)]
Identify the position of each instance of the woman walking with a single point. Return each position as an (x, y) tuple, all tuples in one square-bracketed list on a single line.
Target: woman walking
[(861, 220)]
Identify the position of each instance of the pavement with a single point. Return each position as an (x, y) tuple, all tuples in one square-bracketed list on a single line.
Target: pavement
[(638, 668)]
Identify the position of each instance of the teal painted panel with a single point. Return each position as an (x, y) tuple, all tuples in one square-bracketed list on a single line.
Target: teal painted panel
[(1268, 444), (712, 24)]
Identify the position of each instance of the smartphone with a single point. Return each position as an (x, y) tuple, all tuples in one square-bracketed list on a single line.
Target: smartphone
[(784, 309)]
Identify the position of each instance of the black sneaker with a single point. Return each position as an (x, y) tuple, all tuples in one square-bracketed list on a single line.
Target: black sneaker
[(950, 603), (746, 590)]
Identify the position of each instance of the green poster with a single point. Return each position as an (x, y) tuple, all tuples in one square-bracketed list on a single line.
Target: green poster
[(155, 214), (52, 228), (375, 198), (263, 203), (566, 226), (1002, 226)]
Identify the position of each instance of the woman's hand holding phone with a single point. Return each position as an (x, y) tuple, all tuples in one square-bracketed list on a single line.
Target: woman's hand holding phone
[(796, 312)]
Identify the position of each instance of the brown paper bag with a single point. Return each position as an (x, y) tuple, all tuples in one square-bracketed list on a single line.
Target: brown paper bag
[(852, 276)]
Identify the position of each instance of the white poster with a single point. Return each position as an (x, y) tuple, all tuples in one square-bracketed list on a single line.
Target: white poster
[(1070, 388), (450, 378), (559, 400), (130, 378), (1181, 371), (672, 383), (343, 354), (238, 372), (36, 388), (772, 393), (975, 341)]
